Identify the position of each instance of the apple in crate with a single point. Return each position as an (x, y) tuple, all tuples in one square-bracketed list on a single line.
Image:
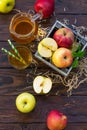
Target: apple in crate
[(46, 47), (56, 120), (42, 85), (64, 37), (62, 57), (6, 5), (25, 102)]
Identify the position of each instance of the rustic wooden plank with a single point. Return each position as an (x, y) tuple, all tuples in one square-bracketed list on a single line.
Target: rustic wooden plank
[(40, 126), (75, 6), (77, 20), (13, 81), (71, 106)]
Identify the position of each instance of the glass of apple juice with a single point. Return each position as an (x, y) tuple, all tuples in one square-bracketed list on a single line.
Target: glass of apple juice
[(25, 54)]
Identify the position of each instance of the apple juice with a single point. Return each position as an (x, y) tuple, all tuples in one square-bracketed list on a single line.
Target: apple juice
[(23, 29), (25, 54)]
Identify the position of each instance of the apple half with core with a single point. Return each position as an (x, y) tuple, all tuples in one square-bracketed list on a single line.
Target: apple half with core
[(42, 85), (64, 37), (56, 120), (46, 47), (62, 57), (6, 5), (25, 102)]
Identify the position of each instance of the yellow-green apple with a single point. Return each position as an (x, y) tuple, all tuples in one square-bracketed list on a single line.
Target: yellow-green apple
[(6, 5), (56, 120), (46, 7), (62, 57), (64, 37), (46, 47), (25, 102), (42, 85)]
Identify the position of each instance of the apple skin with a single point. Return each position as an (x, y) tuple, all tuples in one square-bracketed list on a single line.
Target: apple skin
[(46, 7), (25, 102), (56, 120), (6, 5), (62, 57), (64, 37)]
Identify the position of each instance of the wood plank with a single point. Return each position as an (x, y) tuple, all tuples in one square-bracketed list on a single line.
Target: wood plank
[(13, 81), (40, 126), (71, 106), (77, 20), (75, 6)]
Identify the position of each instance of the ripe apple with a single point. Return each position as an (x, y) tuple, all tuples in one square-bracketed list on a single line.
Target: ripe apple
[(46, 7), (6, 5), (64, 37), (42, 85), (25, 102), (56, 120), (62, 57), (46, 47)]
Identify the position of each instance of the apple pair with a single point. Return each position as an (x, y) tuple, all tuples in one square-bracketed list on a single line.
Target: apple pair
[(6, 5), (60, 57)]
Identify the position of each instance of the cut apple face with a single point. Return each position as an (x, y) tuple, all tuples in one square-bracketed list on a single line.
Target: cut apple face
[(46, 47), (42, 85), (43, 51)]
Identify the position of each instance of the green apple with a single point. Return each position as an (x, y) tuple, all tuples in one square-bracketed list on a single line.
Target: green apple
[(46, 47), (42, 84), (6, 5), (25, 102)]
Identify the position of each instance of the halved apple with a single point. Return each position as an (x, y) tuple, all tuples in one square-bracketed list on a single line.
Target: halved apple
[(46, 47), (44, 51), (42, 85)]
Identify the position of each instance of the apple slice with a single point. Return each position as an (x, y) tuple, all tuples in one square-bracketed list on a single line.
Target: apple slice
[(43, 51), (42, 85), (46, 47), (50, 43)]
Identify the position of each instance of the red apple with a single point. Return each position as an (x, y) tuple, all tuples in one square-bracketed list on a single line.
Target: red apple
[(56, 120), (64, 37), (62, 57), (46, 7)]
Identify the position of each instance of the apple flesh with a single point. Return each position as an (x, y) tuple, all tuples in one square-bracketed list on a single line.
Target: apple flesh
[(6, 5), (42, 85), (64, 37), (46, 47), (62, 57), (56, 120), (25, 102), (46, 7)]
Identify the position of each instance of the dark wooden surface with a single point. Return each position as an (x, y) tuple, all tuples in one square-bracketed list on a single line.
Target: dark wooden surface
[(14, 82)]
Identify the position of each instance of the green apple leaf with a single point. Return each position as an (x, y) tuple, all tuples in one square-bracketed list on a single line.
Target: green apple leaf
[(75, 63), (77, 54)]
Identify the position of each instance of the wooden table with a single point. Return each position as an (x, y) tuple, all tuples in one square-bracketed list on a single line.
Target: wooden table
[(14, 82)]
